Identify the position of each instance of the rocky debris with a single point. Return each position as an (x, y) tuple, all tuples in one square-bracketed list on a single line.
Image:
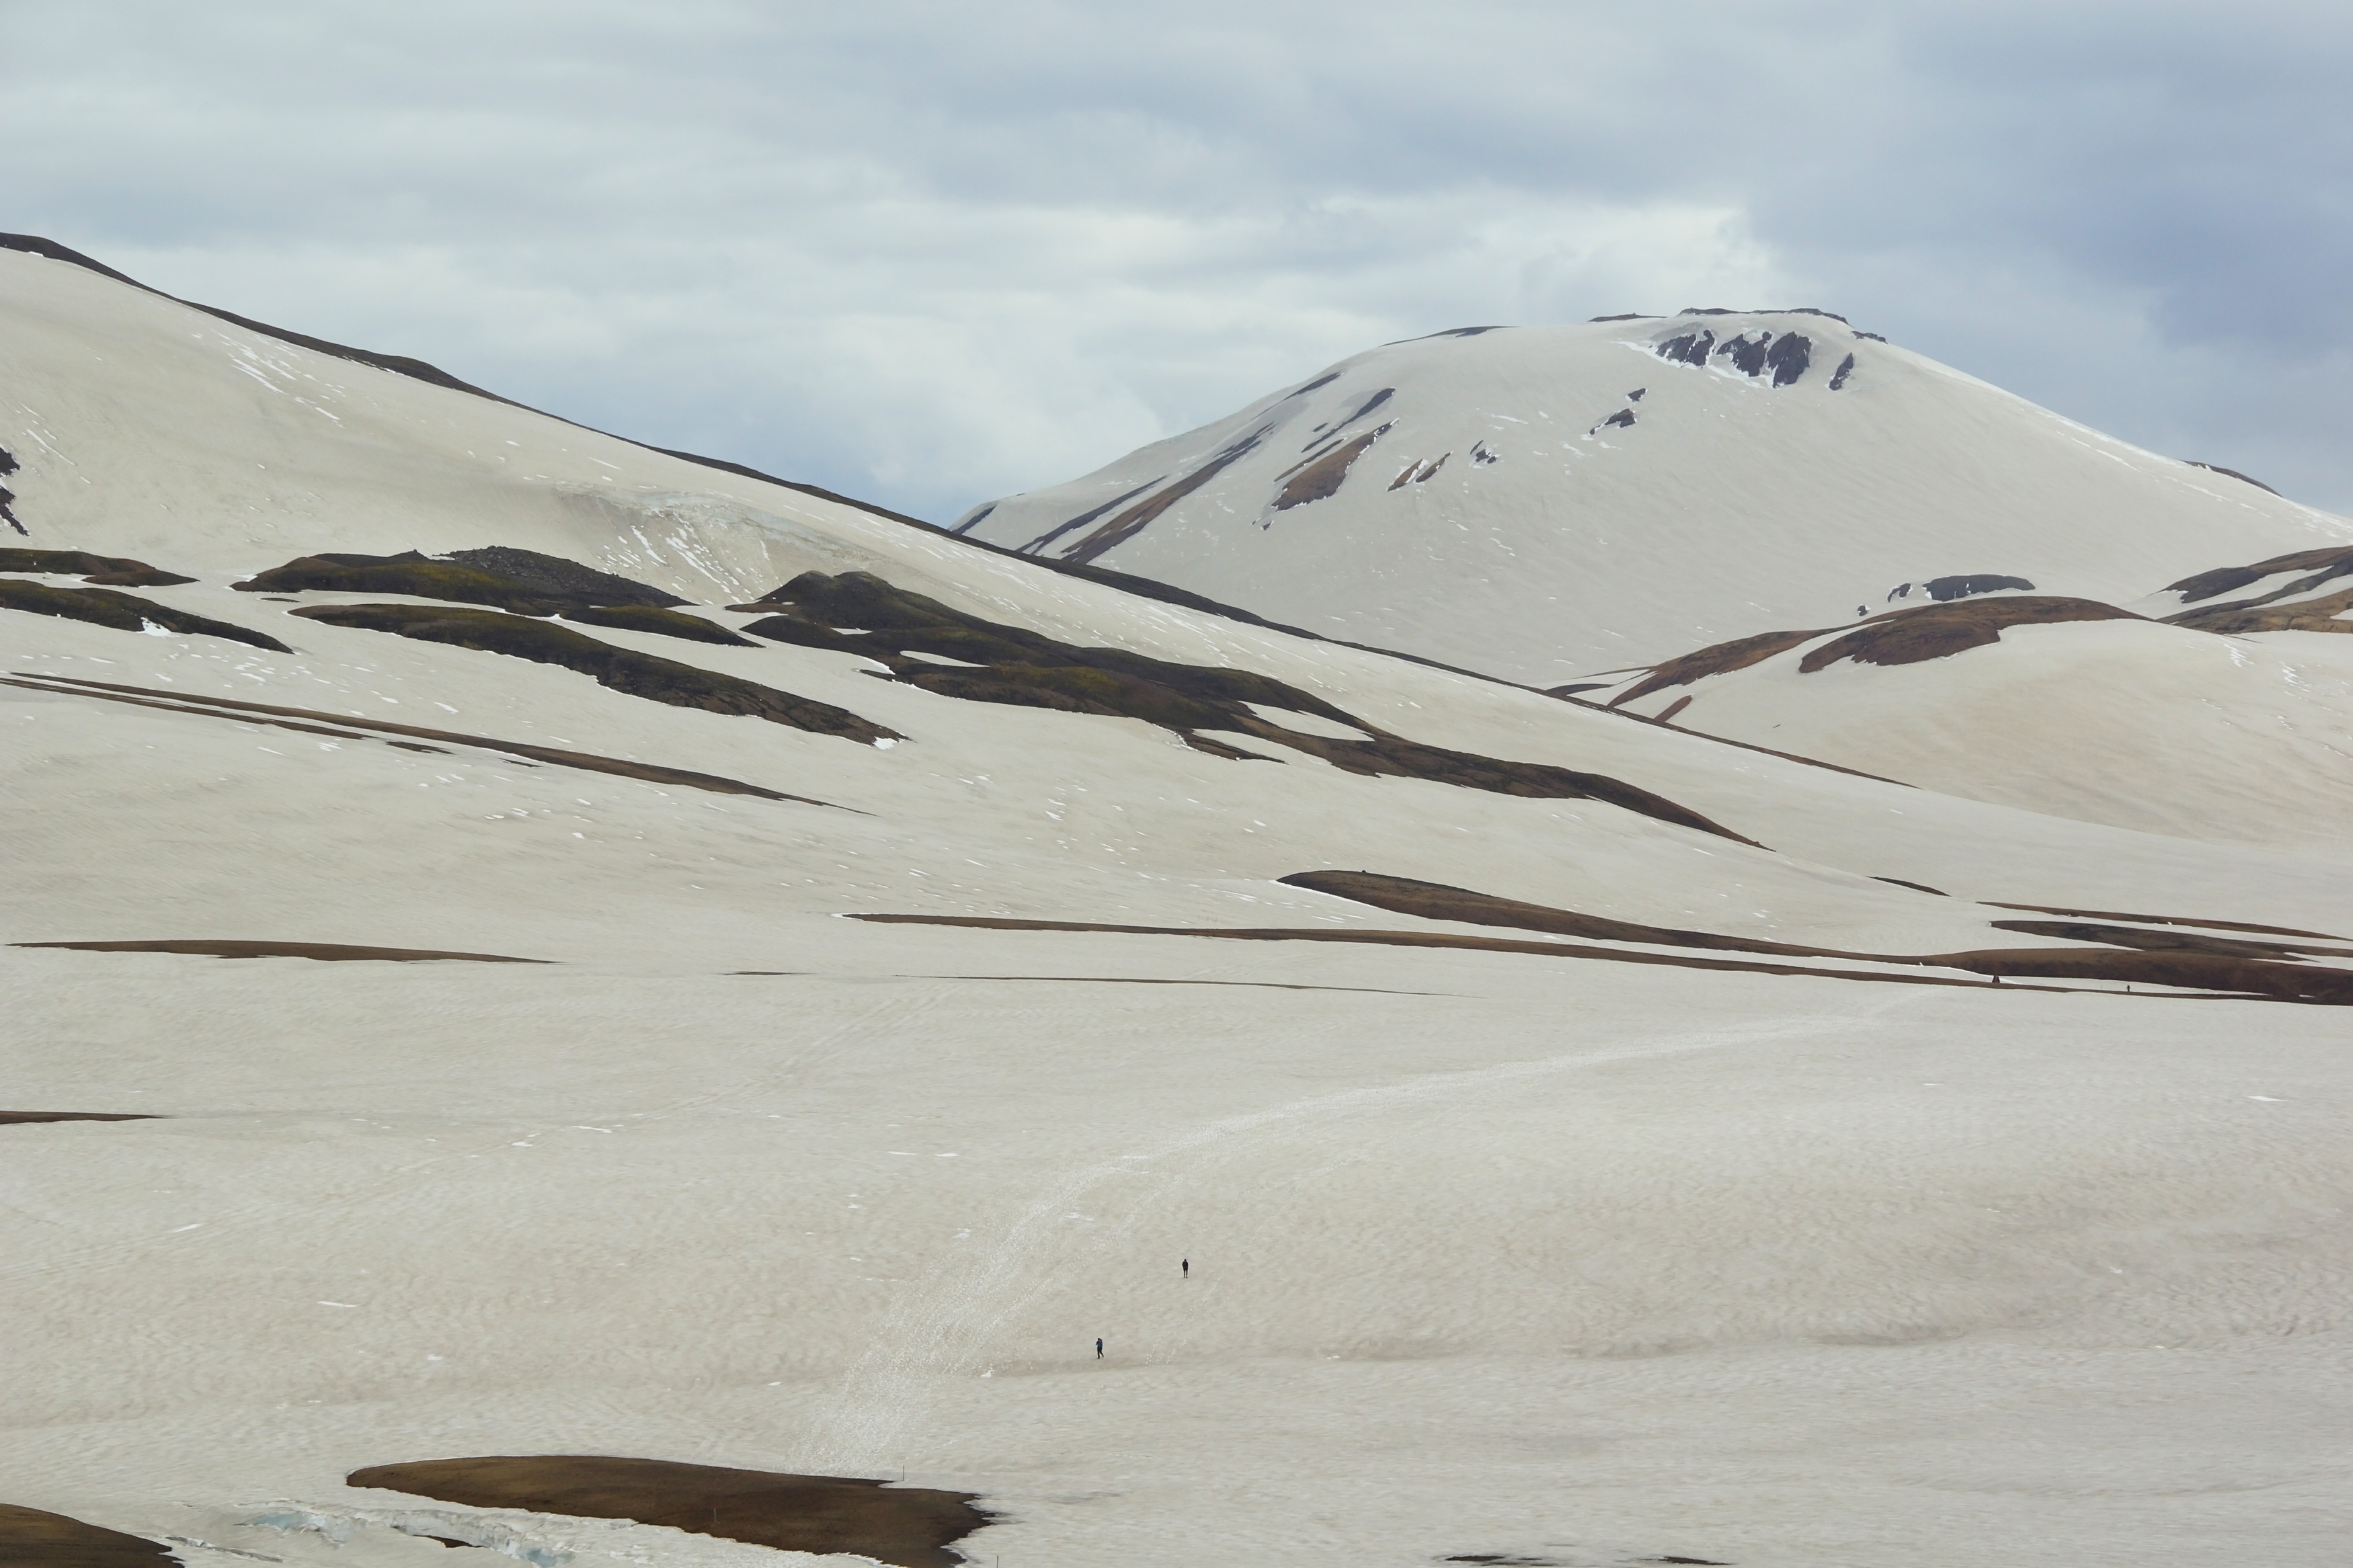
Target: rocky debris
[(9, 497), (1482, 454), (2327, 562)]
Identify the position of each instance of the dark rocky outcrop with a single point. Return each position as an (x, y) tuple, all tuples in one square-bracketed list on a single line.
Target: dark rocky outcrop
[(123, 612), (1845, 369), (914, 1527), (2233, 473), (615, 668), (7, 496), (101, 570), (1945, 590), (1790, 354), (1691, 348), (1011, 665)]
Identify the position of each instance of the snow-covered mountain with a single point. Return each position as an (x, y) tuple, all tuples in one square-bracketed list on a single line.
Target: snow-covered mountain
[(1545, 503), (547, 900)]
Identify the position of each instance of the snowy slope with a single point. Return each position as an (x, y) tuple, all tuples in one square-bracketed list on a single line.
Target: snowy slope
[(1495, 1251), (1547, 502)]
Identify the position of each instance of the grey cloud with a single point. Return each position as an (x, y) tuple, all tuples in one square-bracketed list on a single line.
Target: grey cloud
[(929, 252)]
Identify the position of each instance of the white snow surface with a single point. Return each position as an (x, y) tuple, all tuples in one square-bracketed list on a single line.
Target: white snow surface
[(1552, 544), (1493, 1254)]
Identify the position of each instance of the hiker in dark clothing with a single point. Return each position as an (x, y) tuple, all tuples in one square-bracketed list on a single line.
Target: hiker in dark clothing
[(1098, 1350), (1187, 1264)]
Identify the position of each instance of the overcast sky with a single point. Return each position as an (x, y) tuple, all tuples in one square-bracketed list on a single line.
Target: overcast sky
[(930, 253)]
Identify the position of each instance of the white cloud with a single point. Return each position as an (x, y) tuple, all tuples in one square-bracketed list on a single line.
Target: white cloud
[(928, 252)]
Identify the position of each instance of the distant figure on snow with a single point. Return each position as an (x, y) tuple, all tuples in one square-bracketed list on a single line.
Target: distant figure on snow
[(1187, 1264), (1098, 1349)]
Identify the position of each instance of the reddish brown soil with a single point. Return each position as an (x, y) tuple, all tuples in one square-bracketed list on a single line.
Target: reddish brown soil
[(291, 719), (325, 951), (1722, 659), (1322, 477), (2191, 965), (621, 669), (2167, 920), (32, 1539), (911, 1526), (25, 1118), (1939, 631)]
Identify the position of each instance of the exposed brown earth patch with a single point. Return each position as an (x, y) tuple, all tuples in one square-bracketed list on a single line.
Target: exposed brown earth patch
[(661, 622), (32, 1539), (1015, 666), (25, 1118), (2328, 560), (2168, 941), (2242, 978), (1939, 631), (523, 581), (1322, 478), (2314, 614), (2166, 920), (322, 951), (311, 720), (615, 668), (2160, 958), (1720, 660), (102, 571), (1126, 525), (122, 612), (914, 1527)]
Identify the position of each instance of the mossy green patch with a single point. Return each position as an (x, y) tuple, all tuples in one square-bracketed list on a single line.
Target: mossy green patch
[(661, 622), (106, 570), (523, 581), (123, 612), (1027, 668), (616, 669)]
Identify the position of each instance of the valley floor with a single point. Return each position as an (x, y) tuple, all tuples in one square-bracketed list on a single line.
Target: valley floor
[(1491, 1259)]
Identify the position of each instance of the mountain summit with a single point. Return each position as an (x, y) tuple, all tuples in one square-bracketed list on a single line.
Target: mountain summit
[(1543, 503)]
